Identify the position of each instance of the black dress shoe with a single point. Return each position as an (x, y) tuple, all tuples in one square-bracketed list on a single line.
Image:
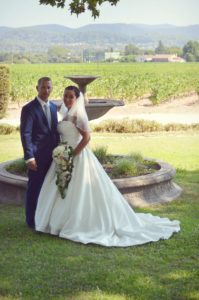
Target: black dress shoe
[(32, 226)]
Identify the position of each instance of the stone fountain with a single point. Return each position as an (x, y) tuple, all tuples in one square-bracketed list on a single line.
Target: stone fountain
[(149, 189), (95, 108), (82, 81)]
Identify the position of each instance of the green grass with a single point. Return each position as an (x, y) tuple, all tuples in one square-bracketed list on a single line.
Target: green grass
[(10, 147), (39, 266)]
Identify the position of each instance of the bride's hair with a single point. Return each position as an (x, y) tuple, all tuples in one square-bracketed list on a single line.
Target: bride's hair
[(77, 112), (74, 89)]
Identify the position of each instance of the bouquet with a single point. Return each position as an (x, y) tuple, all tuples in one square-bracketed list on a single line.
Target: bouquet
[(63, 157)]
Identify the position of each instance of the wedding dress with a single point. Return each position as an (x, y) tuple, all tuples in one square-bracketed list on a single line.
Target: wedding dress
[(93, 210)]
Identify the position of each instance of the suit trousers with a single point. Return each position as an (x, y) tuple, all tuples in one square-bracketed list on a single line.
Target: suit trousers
[(35, 181)]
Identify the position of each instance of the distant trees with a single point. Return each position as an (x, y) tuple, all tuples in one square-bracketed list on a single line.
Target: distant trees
[(149, 52), (80, 6), (191, 51), (161, 49), (175, 50), (57, 54), (23, 58), (130, 53), (60, 54), (128, 58), (132, 49)]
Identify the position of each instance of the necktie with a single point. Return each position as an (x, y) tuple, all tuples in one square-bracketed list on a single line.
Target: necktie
[(48, 114)]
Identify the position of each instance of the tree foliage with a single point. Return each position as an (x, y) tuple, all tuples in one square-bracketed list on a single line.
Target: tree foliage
[(80, 6), (161, 49), (132, 49), (57, 54), (191, 51)]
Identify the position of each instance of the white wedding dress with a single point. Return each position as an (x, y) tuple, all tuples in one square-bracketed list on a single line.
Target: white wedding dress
[(94, 211)]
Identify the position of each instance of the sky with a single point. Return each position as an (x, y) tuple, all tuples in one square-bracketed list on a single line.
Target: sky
[(20, 13)]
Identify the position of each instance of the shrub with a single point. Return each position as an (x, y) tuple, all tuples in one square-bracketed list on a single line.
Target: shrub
[(18, 167), (128, 126), (7, 129), (132, 165), (115, 165), (124, 167), (136, 157), (101, 153), (4, 89), (139, 126)]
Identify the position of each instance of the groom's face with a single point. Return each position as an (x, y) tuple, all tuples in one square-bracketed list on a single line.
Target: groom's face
[(44, 89)]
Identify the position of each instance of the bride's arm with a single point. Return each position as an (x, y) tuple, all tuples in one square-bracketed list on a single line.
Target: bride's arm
[(84, 141)]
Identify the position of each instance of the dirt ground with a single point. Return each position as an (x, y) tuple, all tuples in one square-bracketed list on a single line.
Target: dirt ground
[(182, 110)]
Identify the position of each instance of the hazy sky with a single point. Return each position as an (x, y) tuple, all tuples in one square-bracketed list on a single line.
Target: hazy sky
[(16, 13)]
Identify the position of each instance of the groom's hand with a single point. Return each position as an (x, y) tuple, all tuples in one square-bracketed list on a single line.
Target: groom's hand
[(32, 165)]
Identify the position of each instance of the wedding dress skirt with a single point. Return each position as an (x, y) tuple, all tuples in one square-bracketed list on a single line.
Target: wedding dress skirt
[(93, 210)]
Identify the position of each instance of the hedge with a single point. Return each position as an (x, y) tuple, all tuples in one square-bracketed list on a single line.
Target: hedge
[(4, 89)]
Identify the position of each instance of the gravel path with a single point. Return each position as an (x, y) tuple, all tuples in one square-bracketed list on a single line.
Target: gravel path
[(184, 110)]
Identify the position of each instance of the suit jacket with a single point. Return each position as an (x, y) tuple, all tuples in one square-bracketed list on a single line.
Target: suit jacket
[(37, 138)]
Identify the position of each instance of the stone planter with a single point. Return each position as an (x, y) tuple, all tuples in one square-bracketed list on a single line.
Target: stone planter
[(139, 191), (154, 188)]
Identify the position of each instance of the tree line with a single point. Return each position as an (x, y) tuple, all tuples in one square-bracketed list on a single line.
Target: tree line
[(190, 51), (58, 54)]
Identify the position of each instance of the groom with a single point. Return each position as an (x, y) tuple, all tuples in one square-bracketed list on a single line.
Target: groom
[(39, 137)]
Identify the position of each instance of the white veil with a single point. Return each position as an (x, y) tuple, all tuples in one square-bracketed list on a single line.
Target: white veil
[(77, 114), (62, 112)]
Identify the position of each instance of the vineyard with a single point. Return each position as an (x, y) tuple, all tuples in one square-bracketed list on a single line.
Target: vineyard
[(127, 82)]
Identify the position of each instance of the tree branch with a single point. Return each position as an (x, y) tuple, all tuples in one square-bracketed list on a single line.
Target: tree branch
[(80, 6)]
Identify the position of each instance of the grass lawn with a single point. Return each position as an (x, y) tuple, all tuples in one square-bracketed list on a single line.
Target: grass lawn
[(39, 266)]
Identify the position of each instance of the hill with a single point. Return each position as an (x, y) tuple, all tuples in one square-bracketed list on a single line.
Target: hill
[(42, 37)]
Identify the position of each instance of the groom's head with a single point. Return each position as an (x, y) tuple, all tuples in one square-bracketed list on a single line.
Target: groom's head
[(44, 88)]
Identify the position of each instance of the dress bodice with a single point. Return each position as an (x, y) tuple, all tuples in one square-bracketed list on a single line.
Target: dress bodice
[(69, 133)]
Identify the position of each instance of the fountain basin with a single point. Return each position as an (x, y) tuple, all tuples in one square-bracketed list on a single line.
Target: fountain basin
[(96, 108), (82, 80), (139, 191)]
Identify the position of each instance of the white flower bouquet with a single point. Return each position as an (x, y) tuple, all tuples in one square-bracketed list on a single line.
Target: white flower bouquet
[(63, 157)]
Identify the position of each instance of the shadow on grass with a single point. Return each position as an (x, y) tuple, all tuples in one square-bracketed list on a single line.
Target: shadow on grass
[(40, 266)]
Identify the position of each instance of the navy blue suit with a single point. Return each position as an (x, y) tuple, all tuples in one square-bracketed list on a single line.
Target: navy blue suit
[(38, 142)]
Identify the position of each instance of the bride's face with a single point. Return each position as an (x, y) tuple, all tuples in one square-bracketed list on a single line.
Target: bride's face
[(69, 98)]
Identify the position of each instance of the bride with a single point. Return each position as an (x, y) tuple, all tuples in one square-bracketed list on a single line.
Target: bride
[(93, 210)]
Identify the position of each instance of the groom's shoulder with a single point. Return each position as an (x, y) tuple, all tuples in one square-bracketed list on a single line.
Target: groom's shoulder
[(30, 104), (52, 102)]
